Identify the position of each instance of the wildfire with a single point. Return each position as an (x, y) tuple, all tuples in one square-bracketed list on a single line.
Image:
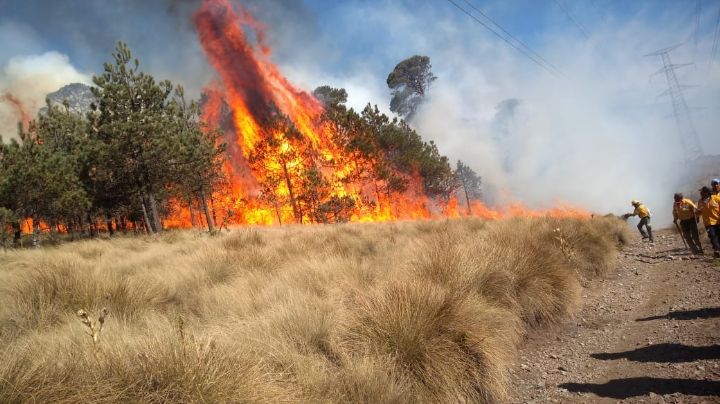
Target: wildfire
[(18, 107), (279, 152)]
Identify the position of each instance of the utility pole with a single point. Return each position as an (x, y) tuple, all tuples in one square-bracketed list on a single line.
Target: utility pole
[(686, 127)]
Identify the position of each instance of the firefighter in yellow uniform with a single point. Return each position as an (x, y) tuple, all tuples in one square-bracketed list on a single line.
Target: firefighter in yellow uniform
[(684, 210), (709, 208), (643, 213)]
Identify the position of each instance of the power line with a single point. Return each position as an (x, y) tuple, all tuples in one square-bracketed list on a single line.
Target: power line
[(686, 127), (523, 44), (698, 12), (528, 55), (571, 18), (716, 39), (597, 9)]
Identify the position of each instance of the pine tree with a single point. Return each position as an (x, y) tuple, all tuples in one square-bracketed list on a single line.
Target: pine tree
[(133, 123), (196, 168), (469, 184)]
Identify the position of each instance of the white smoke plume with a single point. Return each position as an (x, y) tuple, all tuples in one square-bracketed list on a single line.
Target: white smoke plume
[(596, 137), (28, 79)]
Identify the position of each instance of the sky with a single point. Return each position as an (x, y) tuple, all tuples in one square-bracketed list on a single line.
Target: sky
[(596, 135)]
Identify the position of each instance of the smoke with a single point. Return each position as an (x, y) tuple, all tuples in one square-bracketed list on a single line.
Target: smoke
[(25, 81), (597, 137), (46, 45)]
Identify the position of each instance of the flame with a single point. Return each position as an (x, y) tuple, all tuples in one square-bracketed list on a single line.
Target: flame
[(269, 165), (18, 107)]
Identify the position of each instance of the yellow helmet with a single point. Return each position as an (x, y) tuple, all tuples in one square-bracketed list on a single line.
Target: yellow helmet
[(635, 202)]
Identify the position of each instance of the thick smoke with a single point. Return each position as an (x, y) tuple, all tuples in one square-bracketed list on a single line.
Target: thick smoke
[(24, 83), (598, 136), (46, 45), (67, 33)]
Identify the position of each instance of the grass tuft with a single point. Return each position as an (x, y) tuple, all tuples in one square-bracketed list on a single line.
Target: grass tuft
[(392, 313)]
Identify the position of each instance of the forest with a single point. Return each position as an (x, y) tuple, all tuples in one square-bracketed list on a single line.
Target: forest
[(144, 155)]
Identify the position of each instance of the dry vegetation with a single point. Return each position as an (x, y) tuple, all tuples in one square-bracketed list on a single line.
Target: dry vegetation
[(395, 313)]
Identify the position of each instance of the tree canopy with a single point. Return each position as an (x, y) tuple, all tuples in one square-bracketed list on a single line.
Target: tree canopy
[(409, 83), (468, 183), (140, 146), (142, 153)]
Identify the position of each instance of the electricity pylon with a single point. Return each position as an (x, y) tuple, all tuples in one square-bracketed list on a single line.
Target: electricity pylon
[(686, 127)]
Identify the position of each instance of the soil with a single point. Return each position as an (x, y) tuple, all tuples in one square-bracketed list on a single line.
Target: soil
[(649, 333)]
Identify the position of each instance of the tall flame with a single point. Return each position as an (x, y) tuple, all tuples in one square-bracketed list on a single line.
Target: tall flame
[(18, 107), (265, 161)]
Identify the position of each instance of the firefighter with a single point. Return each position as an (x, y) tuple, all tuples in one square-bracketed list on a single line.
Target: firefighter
[(709, 208), (684, 210), (715, 185), (643, 213)]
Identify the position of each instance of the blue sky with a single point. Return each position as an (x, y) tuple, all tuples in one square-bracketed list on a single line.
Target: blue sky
[(602, 119), (351, 30)]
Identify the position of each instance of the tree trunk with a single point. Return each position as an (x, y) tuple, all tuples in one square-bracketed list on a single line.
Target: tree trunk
[(91, 226), (192, 213), (53, 231), (109, 224), (467, 197), (71, 229), (208, 218), (212, 209), (291, 194), (36, 233), (157, 223), (277, 213), (377, 193), (146, 219), (17, 237)]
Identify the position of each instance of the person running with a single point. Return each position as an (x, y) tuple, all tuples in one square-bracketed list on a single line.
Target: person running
[(684, 210), (643, 213), (709, 208)]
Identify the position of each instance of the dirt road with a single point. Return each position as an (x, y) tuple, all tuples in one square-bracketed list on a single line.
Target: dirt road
[(650, 333)]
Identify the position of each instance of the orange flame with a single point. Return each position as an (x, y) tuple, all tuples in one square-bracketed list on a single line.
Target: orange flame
[(267, 168), (18, 107)]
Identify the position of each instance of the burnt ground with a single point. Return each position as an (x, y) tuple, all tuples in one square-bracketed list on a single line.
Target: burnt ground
[(649, 333)]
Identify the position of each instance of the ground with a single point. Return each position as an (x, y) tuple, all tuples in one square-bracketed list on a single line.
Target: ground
[(650, 333)]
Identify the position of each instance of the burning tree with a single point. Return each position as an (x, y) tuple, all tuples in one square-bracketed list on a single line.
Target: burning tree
[(468, 184), (310, 158), (257, 150)]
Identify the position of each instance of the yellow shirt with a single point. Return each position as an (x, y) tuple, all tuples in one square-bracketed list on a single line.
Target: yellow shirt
[(684, 210), (710, 210), (642, 211)]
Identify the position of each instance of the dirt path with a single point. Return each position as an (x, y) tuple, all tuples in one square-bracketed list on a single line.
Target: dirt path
[(648, 334)]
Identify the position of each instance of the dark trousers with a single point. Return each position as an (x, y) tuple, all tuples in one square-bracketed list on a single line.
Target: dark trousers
[(714, 235), (690, 233), (645, 222)]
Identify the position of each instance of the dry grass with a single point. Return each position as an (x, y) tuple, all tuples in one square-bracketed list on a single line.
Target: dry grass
[(394, 313)]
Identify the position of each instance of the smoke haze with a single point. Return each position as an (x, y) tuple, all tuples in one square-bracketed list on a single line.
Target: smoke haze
[(26, 81), (597, 137)]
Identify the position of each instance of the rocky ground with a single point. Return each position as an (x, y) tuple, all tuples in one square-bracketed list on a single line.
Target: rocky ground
[(650, 333)]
